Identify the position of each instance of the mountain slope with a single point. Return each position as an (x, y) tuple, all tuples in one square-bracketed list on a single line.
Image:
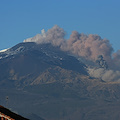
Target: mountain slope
[(41, 80), (25, 61)]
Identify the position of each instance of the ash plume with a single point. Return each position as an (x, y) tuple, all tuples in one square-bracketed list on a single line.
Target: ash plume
[(116, 60), (87, 46), (101, 62), (106, 75), (54, 36)]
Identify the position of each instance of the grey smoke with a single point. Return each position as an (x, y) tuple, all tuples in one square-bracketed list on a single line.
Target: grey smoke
[(89, 46), (101, 62), (54, 36), (116, 60), (106, 75)]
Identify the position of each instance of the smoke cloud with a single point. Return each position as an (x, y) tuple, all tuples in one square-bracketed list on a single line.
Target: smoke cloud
[(116, 60), (106, 75), (87, 46), (54, 36)]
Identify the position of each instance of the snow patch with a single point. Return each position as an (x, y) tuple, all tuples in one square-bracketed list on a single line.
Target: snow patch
[(4, 50), (10, 52)]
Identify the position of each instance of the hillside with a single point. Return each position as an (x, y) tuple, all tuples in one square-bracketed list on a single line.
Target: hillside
[(40, 80)]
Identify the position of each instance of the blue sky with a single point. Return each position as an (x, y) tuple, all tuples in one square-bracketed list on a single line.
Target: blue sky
[(21, 19)]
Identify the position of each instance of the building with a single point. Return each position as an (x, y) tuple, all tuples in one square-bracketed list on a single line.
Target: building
[(6, 114)]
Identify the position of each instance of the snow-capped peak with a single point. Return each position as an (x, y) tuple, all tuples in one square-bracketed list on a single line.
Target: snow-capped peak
[(10, 52), (3, 50)]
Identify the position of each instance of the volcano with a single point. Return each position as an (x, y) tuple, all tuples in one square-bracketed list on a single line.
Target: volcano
[(41, 80)]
